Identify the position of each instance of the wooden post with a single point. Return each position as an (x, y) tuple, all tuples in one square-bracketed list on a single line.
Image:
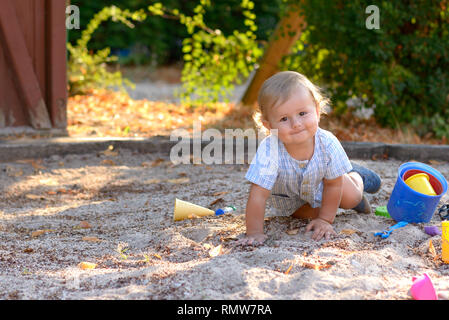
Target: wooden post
[(56, 63), (22, 65), (287, 32)]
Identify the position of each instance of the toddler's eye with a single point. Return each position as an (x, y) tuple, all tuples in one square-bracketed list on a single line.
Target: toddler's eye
[(283, 119), (302, 113)]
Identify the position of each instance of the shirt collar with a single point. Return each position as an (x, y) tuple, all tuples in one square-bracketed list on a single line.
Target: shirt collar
[(316, 149)]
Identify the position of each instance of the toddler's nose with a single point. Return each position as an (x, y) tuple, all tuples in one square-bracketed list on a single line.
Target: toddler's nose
[(296, 122)]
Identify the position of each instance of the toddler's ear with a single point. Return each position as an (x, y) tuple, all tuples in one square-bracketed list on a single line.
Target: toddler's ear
[(266, 124)]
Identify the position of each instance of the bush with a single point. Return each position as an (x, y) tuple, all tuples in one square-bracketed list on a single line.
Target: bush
[(87, 70), (162, 38), (213, 61), (399, 69)]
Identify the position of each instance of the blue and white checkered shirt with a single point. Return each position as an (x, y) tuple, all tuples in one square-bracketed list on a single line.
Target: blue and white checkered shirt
[(296, 182)]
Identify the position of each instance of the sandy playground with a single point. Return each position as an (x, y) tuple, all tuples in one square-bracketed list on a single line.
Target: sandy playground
[(100, 226)]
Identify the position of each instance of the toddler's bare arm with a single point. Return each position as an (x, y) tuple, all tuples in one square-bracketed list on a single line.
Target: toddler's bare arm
[(255, 212), (332, 190)]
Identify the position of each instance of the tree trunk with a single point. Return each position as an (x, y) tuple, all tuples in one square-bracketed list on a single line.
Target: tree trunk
[(287, 32)]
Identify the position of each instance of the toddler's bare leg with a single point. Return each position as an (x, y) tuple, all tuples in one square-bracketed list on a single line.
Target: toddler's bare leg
[(351, 196), (352, 192), (306, 212)]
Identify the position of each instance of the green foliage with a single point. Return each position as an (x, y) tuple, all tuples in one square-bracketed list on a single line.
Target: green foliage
[(158, 40), (88, 70), (401, 68), (214, 62)]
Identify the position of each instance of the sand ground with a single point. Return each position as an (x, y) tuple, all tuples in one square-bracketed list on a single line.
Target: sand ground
[(115, 209)]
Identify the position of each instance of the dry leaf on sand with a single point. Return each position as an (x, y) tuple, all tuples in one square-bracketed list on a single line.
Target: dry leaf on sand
[(151, 181), (221, 193), (37, 165), (215, 251), (85, 225), (91, 239), (432, 250), (157, 162), (292, 232), (108, 162), (434, 162), (348, 231), (316, 266), (34, 197), (38, 233), (178, 181), (87, 265)]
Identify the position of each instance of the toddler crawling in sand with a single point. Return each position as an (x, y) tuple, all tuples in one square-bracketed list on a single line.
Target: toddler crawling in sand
[(302, 169)]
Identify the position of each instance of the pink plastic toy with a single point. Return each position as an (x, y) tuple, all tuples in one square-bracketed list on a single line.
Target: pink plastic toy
[(422, 288)]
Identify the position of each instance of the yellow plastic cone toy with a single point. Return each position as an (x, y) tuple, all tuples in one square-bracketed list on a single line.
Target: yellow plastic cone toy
[(420, 183), (187, 210)]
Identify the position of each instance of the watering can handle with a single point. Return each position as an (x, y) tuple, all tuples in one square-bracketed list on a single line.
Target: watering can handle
[(399, 225)]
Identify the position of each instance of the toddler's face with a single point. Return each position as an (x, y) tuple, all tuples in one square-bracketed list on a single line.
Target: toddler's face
[(296, 119)]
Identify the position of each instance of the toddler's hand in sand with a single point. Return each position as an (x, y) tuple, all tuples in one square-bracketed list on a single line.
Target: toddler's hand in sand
[(321, 228), (252, 240)]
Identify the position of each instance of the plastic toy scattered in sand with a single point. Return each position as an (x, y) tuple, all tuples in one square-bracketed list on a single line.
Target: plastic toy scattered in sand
[(422, 288), (416, 194), (386, 233), (187, 210)]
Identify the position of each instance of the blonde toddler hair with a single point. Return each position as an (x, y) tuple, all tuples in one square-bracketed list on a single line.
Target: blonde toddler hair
[(278, 88)]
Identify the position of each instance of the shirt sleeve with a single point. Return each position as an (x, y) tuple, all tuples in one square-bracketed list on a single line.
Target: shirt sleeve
[(338, 161), (263, 169)]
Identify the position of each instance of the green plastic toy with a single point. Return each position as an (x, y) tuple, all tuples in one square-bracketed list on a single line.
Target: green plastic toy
[(382, 211)]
